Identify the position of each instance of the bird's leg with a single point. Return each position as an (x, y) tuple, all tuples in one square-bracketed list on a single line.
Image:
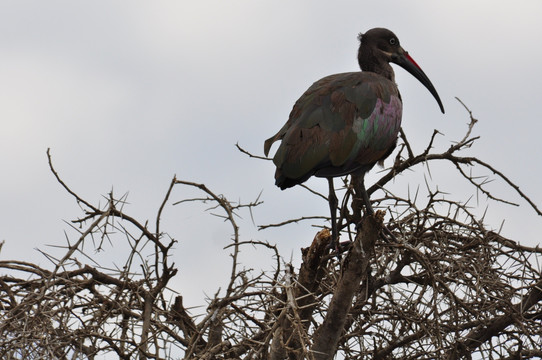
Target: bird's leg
[(366, 200), (333, 202), (359, 185)]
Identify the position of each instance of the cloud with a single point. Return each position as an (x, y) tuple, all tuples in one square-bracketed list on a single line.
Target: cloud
[(128, 95)]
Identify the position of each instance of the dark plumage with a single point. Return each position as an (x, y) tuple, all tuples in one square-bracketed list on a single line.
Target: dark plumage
[(346, 123)]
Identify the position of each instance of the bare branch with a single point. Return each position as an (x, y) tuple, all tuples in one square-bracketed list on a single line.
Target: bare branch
[(438, 284)]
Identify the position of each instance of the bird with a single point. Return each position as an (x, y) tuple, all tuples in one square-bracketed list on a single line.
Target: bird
[(346, 123)]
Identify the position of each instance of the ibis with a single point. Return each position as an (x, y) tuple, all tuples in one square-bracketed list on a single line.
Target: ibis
[(346, 123)]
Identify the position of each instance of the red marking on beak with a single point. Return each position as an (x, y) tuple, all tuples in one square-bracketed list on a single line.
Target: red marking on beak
[(412, 60)]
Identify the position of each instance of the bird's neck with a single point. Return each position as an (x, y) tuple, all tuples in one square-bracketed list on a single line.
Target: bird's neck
[(384, 69), (369, 61)]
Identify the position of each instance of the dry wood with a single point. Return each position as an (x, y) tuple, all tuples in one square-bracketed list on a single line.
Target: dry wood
[(437, 284)]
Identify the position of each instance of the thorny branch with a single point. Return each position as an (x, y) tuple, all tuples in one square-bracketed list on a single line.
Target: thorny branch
[(449, 288)]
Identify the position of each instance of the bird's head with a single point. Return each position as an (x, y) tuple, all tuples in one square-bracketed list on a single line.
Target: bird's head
[(379, 47)]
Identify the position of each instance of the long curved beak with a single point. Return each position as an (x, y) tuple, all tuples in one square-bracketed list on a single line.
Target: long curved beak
[(406, 62)]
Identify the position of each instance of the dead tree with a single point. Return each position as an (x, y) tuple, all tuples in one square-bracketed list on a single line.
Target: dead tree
[(430, 283)]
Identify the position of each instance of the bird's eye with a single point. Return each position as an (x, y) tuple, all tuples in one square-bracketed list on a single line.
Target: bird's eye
[(393, 41)]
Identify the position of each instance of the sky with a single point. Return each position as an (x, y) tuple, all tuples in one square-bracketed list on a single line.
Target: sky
[(128, 94)]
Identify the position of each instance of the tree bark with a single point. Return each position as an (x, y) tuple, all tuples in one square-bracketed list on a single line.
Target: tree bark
[(355, 268)]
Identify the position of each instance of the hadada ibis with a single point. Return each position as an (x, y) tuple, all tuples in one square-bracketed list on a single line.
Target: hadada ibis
[(346, 123)]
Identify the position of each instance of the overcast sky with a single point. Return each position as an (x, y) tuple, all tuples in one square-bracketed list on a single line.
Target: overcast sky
[(127, 94)]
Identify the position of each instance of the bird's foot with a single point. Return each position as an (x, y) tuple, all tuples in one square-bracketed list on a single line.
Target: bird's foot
[(387, 235), (334, 245), (337, 248)]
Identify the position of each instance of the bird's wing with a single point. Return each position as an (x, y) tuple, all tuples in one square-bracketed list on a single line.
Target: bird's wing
[(340, 120)]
